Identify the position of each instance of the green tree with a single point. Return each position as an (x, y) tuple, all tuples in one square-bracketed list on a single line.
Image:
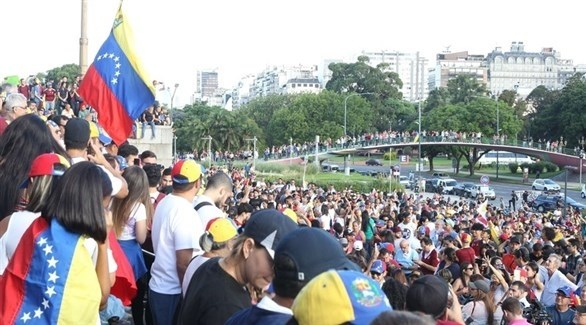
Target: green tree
[(71, 71), (465, 88), (569, 120), (360, 77), (436, 98)]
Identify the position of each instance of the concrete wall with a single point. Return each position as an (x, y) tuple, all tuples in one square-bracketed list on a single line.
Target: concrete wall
[(161, 145)]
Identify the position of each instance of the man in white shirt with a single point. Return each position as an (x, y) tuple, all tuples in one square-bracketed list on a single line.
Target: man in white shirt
[(175, 233), (209, 205), (554, 280)]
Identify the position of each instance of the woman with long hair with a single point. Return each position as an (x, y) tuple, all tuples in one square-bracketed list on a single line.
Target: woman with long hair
[(69, 261), (461, 284), (130, 216), (479, 311), (534, 283), (448, 262), (45, 172), (23, 140), (218, 288)]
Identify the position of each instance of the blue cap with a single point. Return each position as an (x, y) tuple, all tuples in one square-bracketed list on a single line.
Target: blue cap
[(378, 267), (566, 291)]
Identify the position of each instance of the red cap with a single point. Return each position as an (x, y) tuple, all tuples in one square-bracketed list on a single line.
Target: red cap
[(44, 165)]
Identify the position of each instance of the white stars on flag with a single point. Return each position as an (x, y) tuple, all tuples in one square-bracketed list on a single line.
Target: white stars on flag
[(114, 80), (52, 262), (37, 310)]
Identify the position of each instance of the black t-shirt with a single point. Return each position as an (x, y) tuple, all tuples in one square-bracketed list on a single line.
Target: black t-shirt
[(213, 296)]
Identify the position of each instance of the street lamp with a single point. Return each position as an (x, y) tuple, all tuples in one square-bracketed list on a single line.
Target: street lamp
[(419, 138), (346, 167), (346, 108), (498, 133), (171, 121), (581, 153)]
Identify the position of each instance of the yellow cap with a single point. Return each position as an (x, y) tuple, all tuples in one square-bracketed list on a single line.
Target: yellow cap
[(291, 214)]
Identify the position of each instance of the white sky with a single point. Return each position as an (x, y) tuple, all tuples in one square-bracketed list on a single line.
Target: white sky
[(175, 38)]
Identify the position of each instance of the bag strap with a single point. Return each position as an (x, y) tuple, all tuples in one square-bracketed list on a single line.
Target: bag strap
[(201, 204)]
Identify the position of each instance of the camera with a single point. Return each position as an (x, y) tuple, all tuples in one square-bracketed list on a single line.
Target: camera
[(536, 314)]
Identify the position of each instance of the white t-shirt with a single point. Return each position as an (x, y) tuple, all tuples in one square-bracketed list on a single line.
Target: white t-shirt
[(476, 311), (208, 211), (176, 226), (408, 229), (137, 214), (194, 264), (116, 182)]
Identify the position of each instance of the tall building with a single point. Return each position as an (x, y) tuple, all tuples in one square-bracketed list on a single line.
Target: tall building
[(411, 68), (449, 65), (524, 71), (273, 80), (207, 84)]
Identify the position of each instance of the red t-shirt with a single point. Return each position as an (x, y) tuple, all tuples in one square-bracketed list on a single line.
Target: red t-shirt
[(50, 94), (477, 247), (509, 262), (24, 90), (3, 125), (466, 255), (429, 259)]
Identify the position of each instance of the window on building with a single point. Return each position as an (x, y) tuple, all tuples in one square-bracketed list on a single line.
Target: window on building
[(292, 85)]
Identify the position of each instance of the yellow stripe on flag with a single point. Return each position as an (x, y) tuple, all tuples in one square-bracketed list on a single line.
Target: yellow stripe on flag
[(82, 293)]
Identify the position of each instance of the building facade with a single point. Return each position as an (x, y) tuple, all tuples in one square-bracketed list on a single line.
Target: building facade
[(524, 71), (449, 65), (412, 69), (207, 84)]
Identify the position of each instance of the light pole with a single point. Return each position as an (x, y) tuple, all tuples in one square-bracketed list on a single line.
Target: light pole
[(565, 192), (581, 152), (346, 108), (254, 139), (209, 138), (419, 138), (346, 166), (498, 133), (171, 121)]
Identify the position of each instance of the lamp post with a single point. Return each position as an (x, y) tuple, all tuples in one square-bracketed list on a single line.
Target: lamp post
[(254, 139), (171, 120), (581, 152), (209, 138), (346, 108), (346, 167), (498, 133), (419, 145)]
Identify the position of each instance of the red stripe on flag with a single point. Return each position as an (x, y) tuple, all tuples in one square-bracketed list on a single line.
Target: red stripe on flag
[(12, 282), (112, 115)]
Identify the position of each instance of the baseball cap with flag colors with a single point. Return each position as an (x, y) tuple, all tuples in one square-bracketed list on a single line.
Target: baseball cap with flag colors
[(340, 297), (186, 171), (221, 229), (44, 165)]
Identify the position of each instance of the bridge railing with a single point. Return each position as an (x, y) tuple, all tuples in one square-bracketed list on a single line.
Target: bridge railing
[(413, 140)]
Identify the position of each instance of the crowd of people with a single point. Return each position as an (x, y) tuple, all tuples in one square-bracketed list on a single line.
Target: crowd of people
[(92, 231)]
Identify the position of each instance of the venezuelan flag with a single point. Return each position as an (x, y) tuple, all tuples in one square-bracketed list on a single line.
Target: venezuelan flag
[(115, 84), (50, 280), (125, 286)]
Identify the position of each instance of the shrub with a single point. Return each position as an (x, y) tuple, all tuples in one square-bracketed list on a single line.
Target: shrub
[(550, 167), (392, 155), (513, 167)]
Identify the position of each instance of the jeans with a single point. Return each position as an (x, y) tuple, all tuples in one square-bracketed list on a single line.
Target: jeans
[(164, 308), (152, 124)]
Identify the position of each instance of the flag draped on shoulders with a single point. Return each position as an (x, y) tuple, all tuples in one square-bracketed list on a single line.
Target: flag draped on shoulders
[(51, 279), (115, 84)]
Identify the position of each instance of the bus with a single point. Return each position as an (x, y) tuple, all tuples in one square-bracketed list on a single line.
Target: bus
[(504, 158)]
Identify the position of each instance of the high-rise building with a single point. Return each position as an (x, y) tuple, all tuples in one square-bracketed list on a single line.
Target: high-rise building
[(449, 65), (411, 68), (207, 84)]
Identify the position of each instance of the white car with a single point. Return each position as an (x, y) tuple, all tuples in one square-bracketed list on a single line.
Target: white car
[(546, 184), (583, 191), (483, 190)]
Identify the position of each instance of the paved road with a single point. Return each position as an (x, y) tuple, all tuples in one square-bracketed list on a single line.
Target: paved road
[(501, 189)]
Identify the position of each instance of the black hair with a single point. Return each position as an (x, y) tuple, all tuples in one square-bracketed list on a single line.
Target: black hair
[(548, 233), (24, 139), (127, 150), (153, 173), (77, 201), (522, 286), (396, 292), (284, 286), (512, 305), (147, 154), (167, 171), (523, 254), (245, 208)]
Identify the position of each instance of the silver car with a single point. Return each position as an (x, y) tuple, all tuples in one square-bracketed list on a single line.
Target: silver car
[(545, 184)]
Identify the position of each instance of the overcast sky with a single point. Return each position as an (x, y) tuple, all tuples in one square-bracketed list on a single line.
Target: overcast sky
[(175, 38)]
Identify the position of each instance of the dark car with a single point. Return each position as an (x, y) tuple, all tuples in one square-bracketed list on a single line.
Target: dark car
[(373, 162), (463, 189), (546, 202)]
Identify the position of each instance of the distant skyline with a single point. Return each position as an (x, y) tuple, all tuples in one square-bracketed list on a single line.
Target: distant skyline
[(175, 38)]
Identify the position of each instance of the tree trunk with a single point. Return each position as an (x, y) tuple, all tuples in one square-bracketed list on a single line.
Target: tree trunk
[(430, 163)]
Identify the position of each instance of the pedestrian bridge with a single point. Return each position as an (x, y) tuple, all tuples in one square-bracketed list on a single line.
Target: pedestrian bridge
[(562, 157)]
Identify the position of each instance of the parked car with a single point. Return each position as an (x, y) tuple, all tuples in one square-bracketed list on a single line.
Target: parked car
[(447, 185), (483, 190), (440, 175), (546, 202), (463, 189), (373, 162), (329, 167), (545, 184)]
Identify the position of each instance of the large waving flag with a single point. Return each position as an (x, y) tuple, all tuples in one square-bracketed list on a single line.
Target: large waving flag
[(51, 279), (116, 85)]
